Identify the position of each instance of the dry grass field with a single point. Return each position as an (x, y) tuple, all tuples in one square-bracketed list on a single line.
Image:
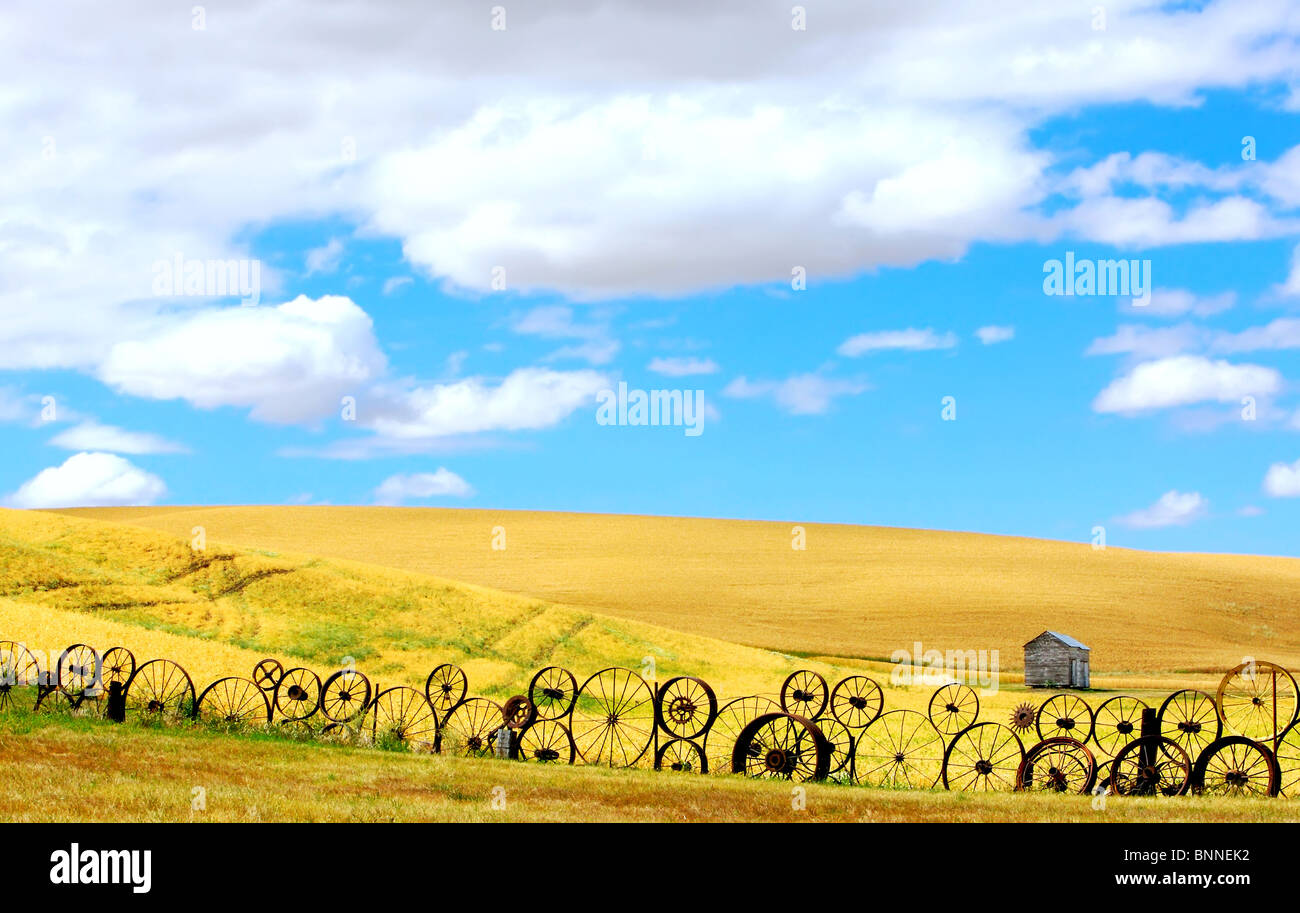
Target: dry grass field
[(854, 592)]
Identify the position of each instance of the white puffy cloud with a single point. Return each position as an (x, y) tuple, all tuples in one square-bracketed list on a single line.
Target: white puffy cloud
[(801, 394), (402, 487), (1182, 380), (1283, 480), (992, 335), (910, 340), (91, 435), (1174, 508), (682, 366), (89, 480)]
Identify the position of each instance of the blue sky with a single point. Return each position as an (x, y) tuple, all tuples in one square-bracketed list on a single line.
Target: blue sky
[(468, 250)]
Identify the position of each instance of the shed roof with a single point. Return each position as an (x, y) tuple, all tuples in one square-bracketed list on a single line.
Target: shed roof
[(1063, 638)]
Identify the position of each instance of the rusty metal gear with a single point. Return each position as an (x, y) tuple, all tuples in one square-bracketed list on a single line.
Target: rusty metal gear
[(1022, 718)]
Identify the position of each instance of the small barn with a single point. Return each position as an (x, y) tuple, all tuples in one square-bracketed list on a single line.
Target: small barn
[(1055, 660)]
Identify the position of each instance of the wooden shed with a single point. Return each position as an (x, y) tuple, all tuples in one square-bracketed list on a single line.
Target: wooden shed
[(1055, 660)]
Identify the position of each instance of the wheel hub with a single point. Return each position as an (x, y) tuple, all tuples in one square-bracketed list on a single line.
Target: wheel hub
[(777, 761), (297, 693), (1124, 727), (984, 767), (1065, 723)]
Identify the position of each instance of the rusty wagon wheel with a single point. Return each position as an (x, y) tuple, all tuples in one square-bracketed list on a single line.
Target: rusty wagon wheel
[(682, 756), (782, 746), (900, 749), (686, 707), (806, 694), (77, 671), (1059, 765), (116, 665), (953, 707), (446, 687), (267, 674), (1190, 718), (18, 669), (405, 716), (552, 692), (1064, 715), (345, 696), (1151, 766), (517, 712), (856, 701), (733, 717), (614, 718), (1257, 700), (1287, 756), (1236, 766), (1118, 722), (470, 727), (234, 701), (983, 757), (50, 699), (161, 689), (298, 693), (545, 741), (840, 739)]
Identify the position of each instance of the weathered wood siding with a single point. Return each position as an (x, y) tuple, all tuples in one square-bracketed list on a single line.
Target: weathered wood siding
[(1047, 663)]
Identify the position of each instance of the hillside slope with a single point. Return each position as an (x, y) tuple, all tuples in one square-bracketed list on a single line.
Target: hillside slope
[(854, 592)]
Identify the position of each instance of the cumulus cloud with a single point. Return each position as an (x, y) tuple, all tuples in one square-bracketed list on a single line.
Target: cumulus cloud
[(802, 394), (1174, 508), (91, 435), (910, 340), (682, 366), (992, 335), (402, 487), (1283, 480), (1182, 380), (89, 480)]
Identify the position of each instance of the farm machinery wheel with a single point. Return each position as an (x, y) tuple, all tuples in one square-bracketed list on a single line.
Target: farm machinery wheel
[(901, 748), (50, 699), (1190, 718), (841, 741), (161, 689), (686, 707), (267, 674), (518, 711), (856, 701), (1287, 757), (116, 665), (1059, 765), (1151, 766), (234, 701), (345, 696), (952, 708), (682, 756), (805, 693), (1257, 700), (1236, 766), (78, 671), (298, 694), (613, 719), (1064, 716), (446, 687), (1118, 722), (1023, 718), (18, 669), (546, 742), (782, 746), (470, 728), (734, 716), (552, 692), (983, 757), (404, 716)]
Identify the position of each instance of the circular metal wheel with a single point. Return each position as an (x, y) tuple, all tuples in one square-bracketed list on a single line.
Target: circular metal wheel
[(686, 707), (805, 694), (1257, 700), (841, 742), (552, 692), (983, 757), (116, 665), (1064, 716), (682, 756), (545, 741), (78, 670), (517, 712), (1287, 756), (900, 749), (162, 689), (1118, 722), (405, 716), (1236, 766), (782, 746), (53, 700), (733, 717), (234, 701), (345, 696), (297, 694), (470, 728), (1022, 718), (614, 718), (1059, 765), (267, 674), (1190, 718), (18, 669), (446, 687), (1151, 766), (953, 708), (856, 701)]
